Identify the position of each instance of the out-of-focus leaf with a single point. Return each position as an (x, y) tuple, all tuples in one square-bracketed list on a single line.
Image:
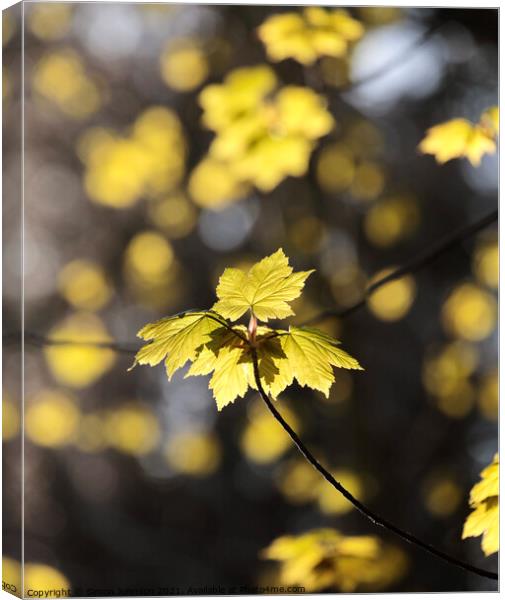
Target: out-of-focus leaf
[(484, 520), (459, 138)]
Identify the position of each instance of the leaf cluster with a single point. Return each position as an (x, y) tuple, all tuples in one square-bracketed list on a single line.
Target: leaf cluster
[(227, 352)]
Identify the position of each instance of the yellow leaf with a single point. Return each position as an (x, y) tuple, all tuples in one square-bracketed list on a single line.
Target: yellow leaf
[(176, 339), (263, 134), (324, 558), (227, 355), (240, 93), (490, 119), (310, 355), (302, 111), (309, 35), (479, 144), (229, 380), (265, 290), (212, 346), (457, 138), (488, 486), (484, 520)]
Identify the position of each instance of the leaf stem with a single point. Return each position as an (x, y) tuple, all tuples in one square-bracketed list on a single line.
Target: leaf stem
[(374, 518), (413, 266), (252, 329)]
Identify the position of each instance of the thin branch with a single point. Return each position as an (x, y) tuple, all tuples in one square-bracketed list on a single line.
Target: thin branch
[(416, 264), (374, 518), (34, 339), (37, 340)]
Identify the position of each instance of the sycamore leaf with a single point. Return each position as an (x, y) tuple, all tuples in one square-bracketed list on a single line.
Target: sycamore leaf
[(229, 380), (214, 348), (484, 520), (265, 290), (230, 359), (176, 339), (310, 355), (304, 354)]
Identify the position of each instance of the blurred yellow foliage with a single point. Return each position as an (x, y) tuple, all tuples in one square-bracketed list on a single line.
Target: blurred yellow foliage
[(212, 184), (263, 134), (8, 26), (351, 164), (147, 162), (364, 139), (458, 402), (368, 181), (151, 270), (175, 215), (60, 76), (263, 440), (307, 35), (307, 234), (11, 574), (132, 429), (484, 520), (11, 418), (393, 300), (39, 578), (84, 285), (76, 365), (324, 559), (442, 496), (445, 375), (183, 65), (193, 453), (486, 263), (380, 15), (300, 483), (335, 71), (469, 313), (52, 418), (391, 220), (490, 120), (460, 138), (149, 255), (331, 503), (336, 168), (50, 21)]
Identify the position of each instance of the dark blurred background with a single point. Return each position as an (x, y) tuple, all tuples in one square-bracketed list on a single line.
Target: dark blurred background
[(135, 483)]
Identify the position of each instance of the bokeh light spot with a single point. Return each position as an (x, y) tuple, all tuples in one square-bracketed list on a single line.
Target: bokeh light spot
[(84, 285), (469, 313), (52, 418), (393, 300)]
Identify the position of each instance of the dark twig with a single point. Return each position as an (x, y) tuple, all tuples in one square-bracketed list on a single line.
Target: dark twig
[(414, 265), (425, 258), (374, 518), (34, 339)]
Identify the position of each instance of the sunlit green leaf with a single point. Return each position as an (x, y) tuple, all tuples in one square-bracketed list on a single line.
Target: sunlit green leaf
[(265, 290)]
